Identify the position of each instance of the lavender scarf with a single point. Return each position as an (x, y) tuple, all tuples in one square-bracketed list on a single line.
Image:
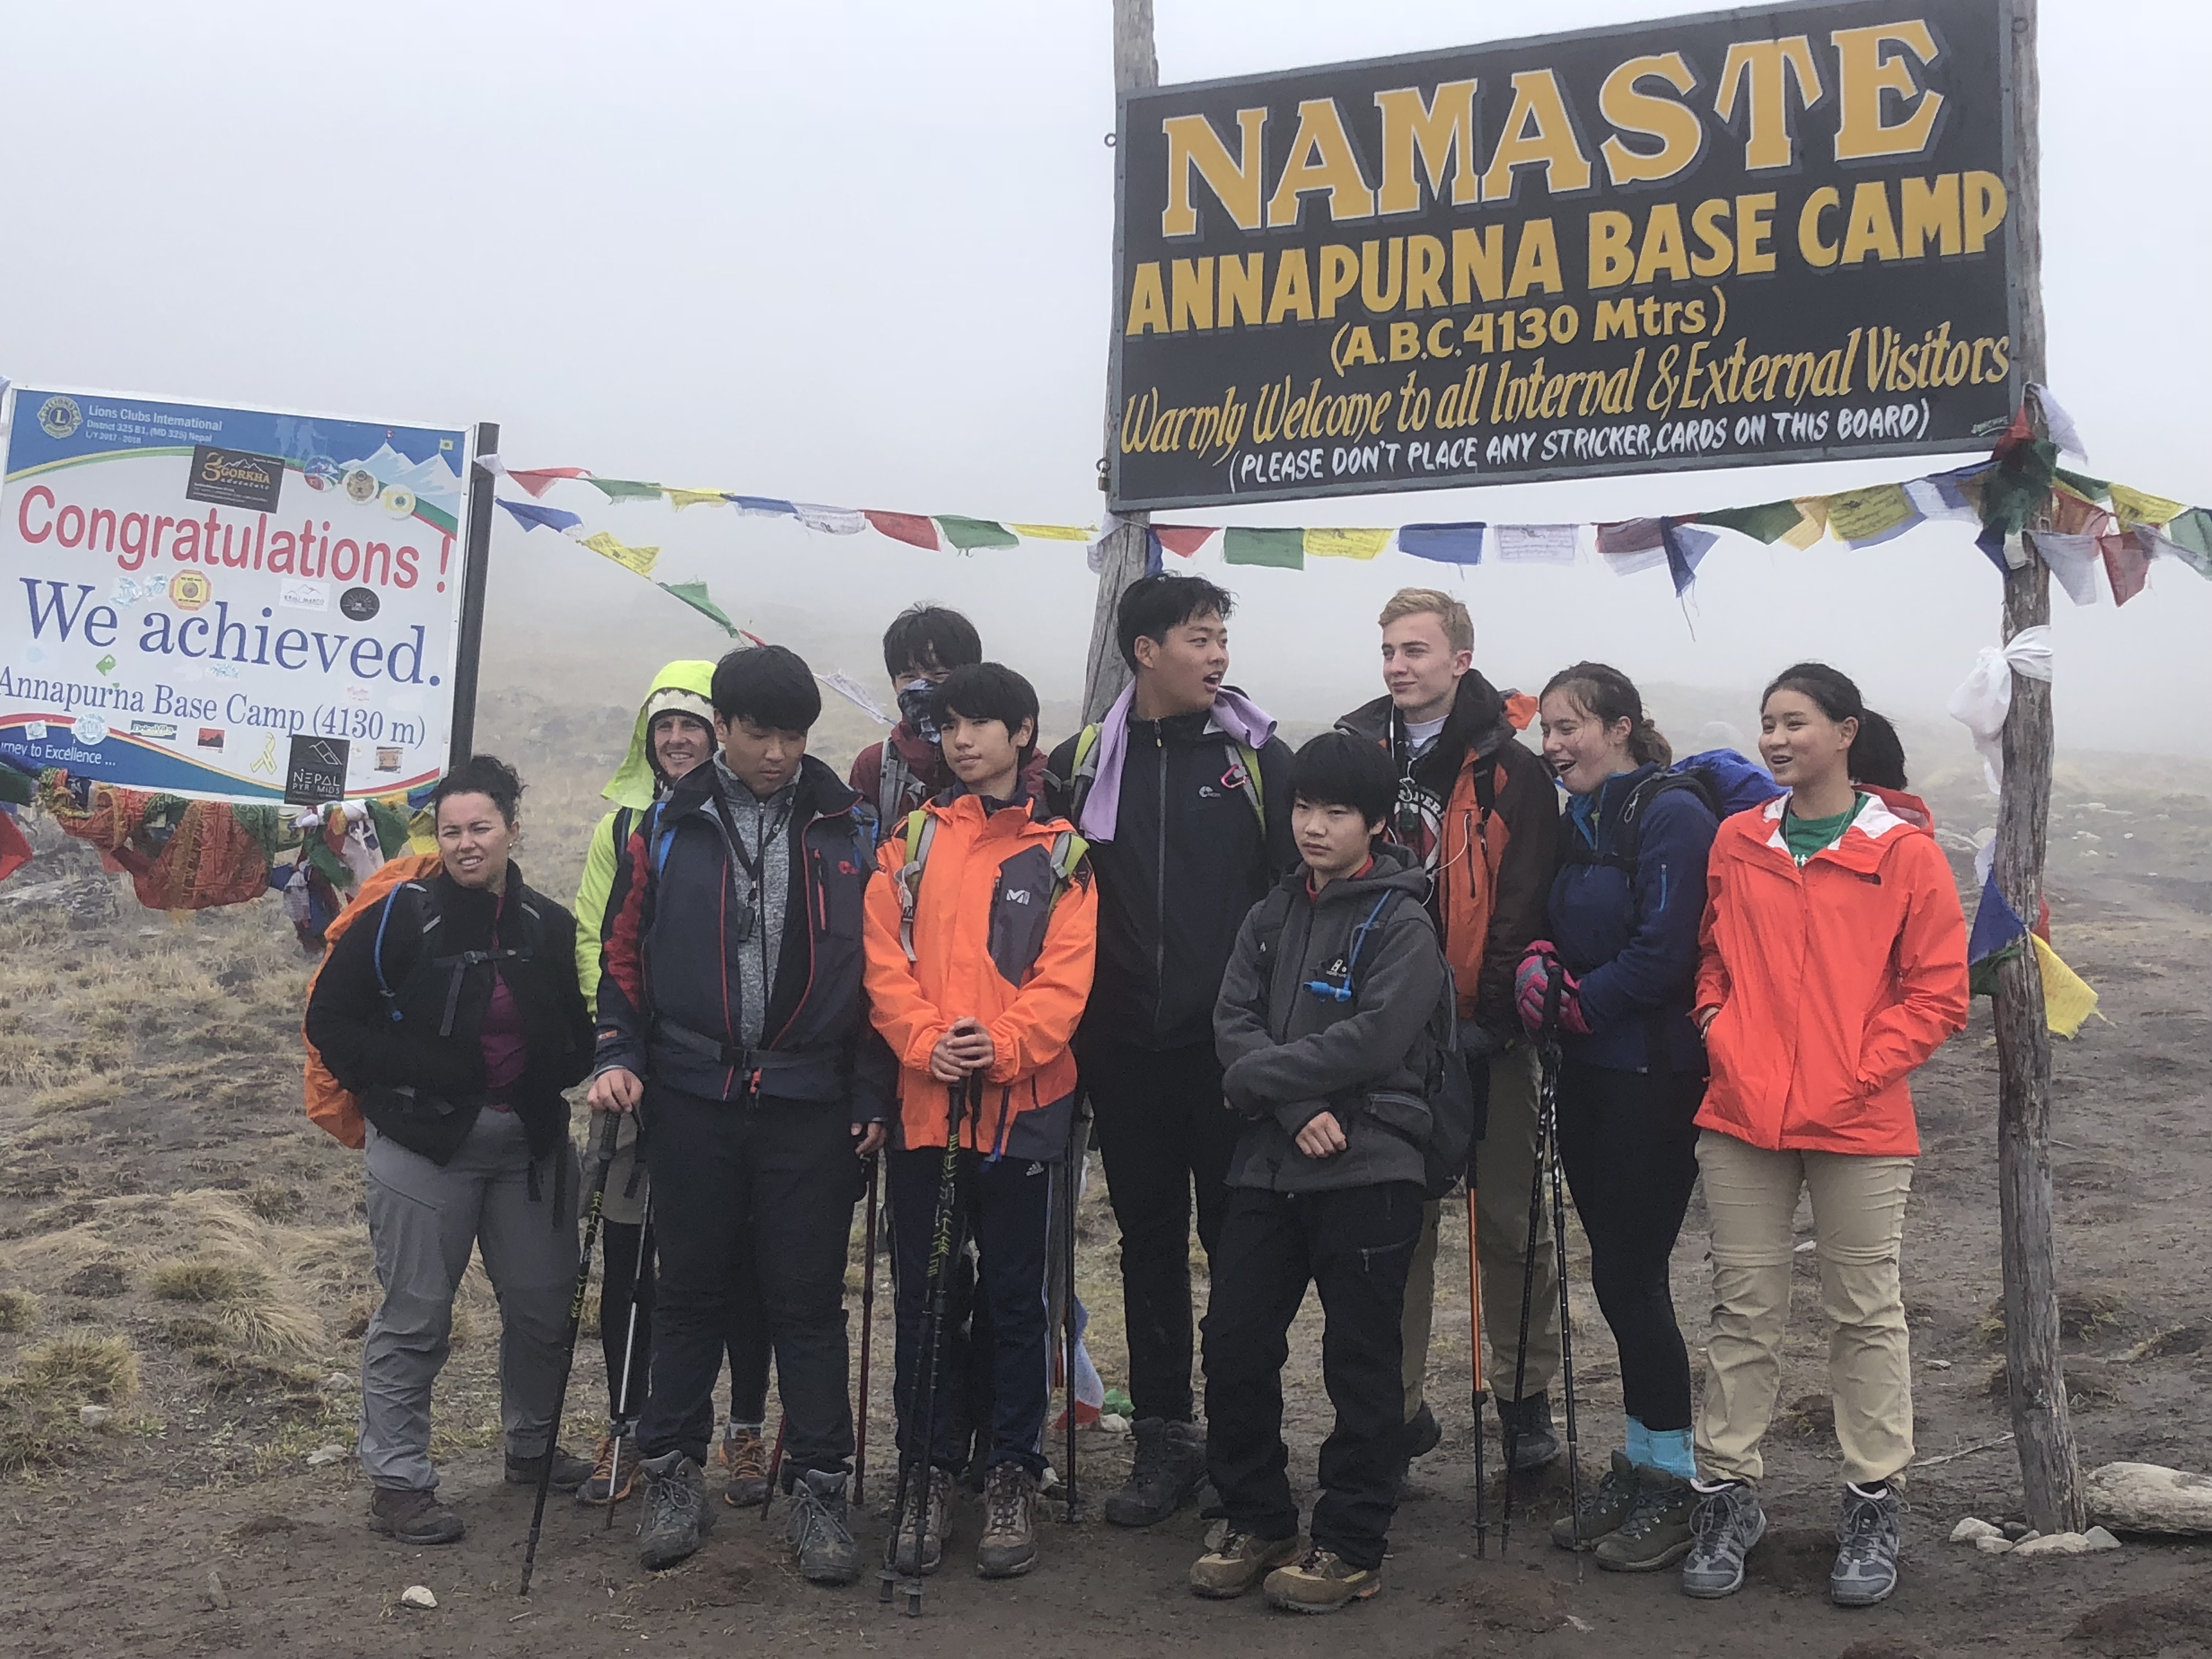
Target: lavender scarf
[(1233, 713)]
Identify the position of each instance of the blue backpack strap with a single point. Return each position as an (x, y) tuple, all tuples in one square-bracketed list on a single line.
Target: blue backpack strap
[(376, 953)]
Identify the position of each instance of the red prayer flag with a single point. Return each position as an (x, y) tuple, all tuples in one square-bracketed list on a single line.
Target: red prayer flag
[(1183, 540), (2125, 563), (910, 527), (537, 479), (15, 849)]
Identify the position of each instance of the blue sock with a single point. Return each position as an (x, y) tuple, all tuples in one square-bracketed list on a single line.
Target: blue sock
[(1639, 1443), (1671, 1450)]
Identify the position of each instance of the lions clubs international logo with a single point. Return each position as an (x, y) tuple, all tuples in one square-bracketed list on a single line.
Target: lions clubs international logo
[(59, 417)]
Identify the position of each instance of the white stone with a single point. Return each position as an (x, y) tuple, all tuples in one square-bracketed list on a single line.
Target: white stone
[(95, 1417), (323, 1456), (2056, 1543), (2149, 1498), (341, 1380), (1971, 1529), (2098, 1539), (417, 1596), (1113, 1423), (1999, 1545)]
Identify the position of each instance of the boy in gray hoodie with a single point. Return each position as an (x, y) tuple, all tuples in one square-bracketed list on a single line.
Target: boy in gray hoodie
[(1323, 1027)]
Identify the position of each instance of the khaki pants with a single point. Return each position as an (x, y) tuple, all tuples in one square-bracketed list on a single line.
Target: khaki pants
[(1505, 1159), (1859, 1218)]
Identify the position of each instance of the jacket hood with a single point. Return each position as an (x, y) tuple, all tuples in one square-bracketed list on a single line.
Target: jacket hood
[(637, 780), (1394, 867), (1868, 840), (1481, 717)]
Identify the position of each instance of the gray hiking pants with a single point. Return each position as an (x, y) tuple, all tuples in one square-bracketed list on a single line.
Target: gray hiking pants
[(423, 1220)]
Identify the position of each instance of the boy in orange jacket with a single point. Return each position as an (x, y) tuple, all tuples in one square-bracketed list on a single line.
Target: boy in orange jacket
[(980, 934)]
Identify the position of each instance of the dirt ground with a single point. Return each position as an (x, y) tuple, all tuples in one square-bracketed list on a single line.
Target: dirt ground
[(177, 1243)]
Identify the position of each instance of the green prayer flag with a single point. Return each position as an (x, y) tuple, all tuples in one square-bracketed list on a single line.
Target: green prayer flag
[(2011, 492), (2097, 489), (391, 827), (17, 788), (694, 594), (1284, 550), (624, 489), (968, 534), (2191, 533), (1769, 522)]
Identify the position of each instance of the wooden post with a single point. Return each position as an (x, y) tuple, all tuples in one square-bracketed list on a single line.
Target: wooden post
[(2049, 1465), (1136, 67)]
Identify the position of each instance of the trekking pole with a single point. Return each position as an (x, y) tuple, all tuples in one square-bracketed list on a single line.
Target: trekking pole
[(605, 1162), (867, 1335), (775, 1462), (1481, 1394), (1075, 1162), (921, 1426), (623, 1416), (1547, 1151), (1511, 1425)]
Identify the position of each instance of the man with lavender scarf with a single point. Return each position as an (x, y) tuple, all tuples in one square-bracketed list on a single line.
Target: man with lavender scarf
[(1184, 839)]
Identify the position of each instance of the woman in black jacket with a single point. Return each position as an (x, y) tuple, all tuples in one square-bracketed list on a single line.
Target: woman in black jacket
[(453, 1015)]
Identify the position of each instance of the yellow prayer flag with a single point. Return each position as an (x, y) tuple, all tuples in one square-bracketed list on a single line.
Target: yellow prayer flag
[(2068, 1002), (680, 499), (640, 559), (1052, 532), (2134, 507), (1863, 515), (1345, 543), (1812, 525)]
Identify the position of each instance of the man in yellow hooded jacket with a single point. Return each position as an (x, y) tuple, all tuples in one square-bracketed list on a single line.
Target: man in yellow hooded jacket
[(675, 733)]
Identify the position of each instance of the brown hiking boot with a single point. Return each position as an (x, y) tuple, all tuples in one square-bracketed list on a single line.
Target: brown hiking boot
[(1320, 1581), (745, 1452), (1239, 1563), (607, 1469), (413, 1515), (936, 1526), (1007, 1548)]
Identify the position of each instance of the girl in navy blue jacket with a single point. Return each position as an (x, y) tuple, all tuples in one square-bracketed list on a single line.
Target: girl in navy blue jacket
[(1623, 917)]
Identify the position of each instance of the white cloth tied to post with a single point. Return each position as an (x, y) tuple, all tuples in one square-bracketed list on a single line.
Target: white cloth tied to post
[(1982, 701)]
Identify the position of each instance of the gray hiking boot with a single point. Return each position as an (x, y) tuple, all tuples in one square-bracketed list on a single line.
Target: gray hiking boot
[(936, 1526), (1656, 1532), (1525, 1428), (1866, 1566), (1239, 1563), (1008, 1546), (413, 1516), (675, 1512), (1727, 1524), (1169, 1464), (819, 1529), (1603, 1508)]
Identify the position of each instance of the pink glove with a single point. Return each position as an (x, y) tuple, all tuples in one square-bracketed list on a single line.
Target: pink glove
[(1532, 986)]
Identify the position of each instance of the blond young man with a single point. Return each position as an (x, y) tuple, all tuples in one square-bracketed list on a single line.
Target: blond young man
[(1480, 811)]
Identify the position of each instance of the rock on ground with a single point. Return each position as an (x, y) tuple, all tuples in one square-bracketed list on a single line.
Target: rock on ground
[(417, 1596), (2149, 1498), (1968, 1530)]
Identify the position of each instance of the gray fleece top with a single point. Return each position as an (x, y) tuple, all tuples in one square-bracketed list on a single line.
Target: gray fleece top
[(1288, 1054)]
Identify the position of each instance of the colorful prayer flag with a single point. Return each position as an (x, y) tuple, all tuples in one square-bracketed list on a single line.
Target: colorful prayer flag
[(640, 559), (1767, 523), (1445, 544), (1339, 543), (531, 516), (1282, 550), (911, 528), (694, 594), (626, 489), (680, 499), (968, 534)]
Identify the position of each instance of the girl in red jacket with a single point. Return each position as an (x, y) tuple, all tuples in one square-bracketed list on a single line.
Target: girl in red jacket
[(1832, 961)]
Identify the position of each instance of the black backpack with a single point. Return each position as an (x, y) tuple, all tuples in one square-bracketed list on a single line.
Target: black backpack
[(1456, 1106)]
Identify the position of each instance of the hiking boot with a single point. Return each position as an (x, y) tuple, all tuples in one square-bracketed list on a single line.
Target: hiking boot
[(413, 1515), (1525, 1428), (1656, 1532), (570, 1471), (936, 1526), (675, 1512), (1727, 1524), (1866, 1566), (1239, 1563), (1320, 1581), (744, 1451), (594, 1491), (819, 1528), (1008, 1546), (1169, 1464), (1603, 1509), (1422, 1435)]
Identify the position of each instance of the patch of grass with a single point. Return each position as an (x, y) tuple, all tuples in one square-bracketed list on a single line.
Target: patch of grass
[(19, 1310), (272, 1200), (243, 1301), (72, 1096), (199, 1279), (102, 1371), (26, 1061)]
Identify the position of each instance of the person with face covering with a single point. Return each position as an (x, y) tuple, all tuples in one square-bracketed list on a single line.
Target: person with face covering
[(1622, 920), (1832, 964), (674, 734), (449, 1008)]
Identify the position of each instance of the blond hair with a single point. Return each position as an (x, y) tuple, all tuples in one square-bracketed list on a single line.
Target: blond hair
[(1450, 614)]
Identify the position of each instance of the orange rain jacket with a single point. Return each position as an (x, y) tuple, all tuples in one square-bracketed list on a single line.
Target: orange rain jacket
[(998, 936), (1832, 981)]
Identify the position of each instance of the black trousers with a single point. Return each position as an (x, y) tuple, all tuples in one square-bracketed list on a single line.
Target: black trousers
[(750, 1194), (622, 1283), (1630, 1148), (1164, 1132), (1004, 1206), (1355, 1246)]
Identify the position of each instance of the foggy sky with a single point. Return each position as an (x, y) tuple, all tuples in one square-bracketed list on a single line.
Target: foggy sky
[(860, 253)]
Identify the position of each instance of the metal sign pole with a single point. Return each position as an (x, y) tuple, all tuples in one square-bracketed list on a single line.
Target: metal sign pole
[(476, 567)]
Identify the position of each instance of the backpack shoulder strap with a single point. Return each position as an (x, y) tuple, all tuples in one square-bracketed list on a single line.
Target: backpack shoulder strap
[(1083, 770), (920, 831), (1255, 789), (430, 920)]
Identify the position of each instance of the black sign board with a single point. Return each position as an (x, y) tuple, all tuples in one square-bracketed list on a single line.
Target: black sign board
[(315, 775), (1779, 233), (235, 478)]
